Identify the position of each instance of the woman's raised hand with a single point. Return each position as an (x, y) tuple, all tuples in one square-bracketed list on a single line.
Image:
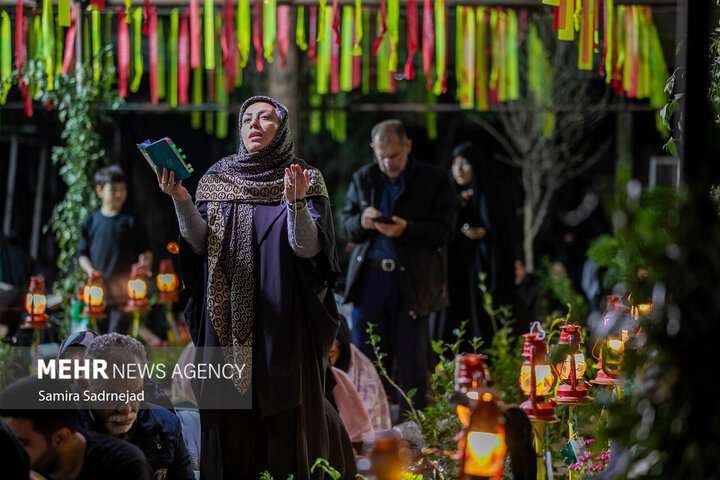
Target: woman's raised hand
[(297, 182), (168, 185)]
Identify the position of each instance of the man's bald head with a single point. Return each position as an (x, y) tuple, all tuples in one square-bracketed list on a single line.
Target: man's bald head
[(382, 131), (391, 147)]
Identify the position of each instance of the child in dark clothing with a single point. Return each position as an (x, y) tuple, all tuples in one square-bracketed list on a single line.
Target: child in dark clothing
[(111, 241)]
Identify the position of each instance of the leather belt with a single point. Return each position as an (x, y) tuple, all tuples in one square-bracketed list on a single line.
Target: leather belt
[(386, 265)]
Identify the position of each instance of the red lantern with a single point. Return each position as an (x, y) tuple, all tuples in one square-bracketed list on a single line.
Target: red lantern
[(137, 289), (536, 378), (471, 374), (35, 304), (612, 344), (483, 444), (572, 391), (167, 282)]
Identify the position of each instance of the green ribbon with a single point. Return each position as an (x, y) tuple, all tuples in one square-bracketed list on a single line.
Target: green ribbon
[(659, 73), (59, 50), (366, 52), (128, 4), (481, 75), (221, 117), (324, 53), (440, 45), (430, 116), (346, 49), (321, 21), (5, 55), (269, 28), (357, 49), (35, 49), (87, 50), (243, 31), (494, 57), (459, 53), (382, 61), (393, 26), (110, 71), (468, 100), (160, 57), (511, 49), (64, 13), (644, 70), (197, 98), (174, 27), (610, 9), (540, 79), (96, 45), (300, 36), (209, 30), (137, 50), (48, 33)]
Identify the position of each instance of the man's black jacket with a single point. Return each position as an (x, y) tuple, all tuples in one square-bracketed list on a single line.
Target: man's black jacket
[(429, 203)]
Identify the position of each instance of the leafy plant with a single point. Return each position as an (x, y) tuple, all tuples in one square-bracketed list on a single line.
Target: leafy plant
[(557, 286)]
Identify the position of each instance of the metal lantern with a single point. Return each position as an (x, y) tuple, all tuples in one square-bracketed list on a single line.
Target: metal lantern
[(471, 374), (612, 342), (483, 445), (167, 282), (35, 304), (137, 289), (572, 368), (94, 297), (536, 379)]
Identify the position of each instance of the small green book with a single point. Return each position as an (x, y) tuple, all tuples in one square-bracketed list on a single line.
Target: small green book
[(164, 153)]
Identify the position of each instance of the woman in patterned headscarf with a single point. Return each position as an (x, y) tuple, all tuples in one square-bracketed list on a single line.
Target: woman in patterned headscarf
[(258, 257)]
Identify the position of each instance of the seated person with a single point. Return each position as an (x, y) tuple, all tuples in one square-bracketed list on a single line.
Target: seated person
[(350, 407), (55, 446), (348, 358), (153, 429)]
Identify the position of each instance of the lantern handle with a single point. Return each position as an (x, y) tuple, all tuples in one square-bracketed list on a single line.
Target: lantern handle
[(541, 335)]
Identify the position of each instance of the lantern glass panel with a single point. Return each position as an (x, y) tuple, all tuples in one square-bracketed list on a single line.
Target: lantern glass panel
[(35, 303), (564, 368), (544, 379), (167, 282), (137, 288), (94, 295), (484, 454)]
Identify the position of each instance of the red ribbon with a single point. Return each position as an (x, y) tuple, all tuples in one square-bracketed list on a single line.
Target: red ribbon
[(152, 47), (336, 23), (21, 28), (312, 50), (147, 13), (428, 46), (556, 18), (194, 34), (69, 45), (183, 59), (335, 56), (98, 5), (383, 28), (257, 32), (123, 54), (283, 27), (228, 42), (412, 37)]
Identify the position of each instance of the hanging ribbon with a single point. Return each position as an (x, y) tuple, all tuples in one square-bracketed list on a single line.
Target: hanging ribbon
[(336, 22), (411, 9), (502, 89), (229, 45), (312, 50), (468, 99), (48, 33), (644, 22), (21, 57), (161, 54), (153, 53), (300, 37), (257, 34), (365, 83), (357, 49), (335, 56), (393, 25), (633, 53), (269, 32), (283, 32), (440, 48), (428, 45), (481, 78), (566, 27), (128, 15), (209, 30), (321, 21), (243, 31), (382, 27), (587, 33), (356, 58), (606, 63), (346, 49), (108, 40), (197, 98), (381, 58), (64, 12), (70, 45), (221, 116), (147, 11), (173, 54), (87, 49), (513, 64), (96, 46), (459, 49), (123, 54), (183, 58), (324, 54), (5, 55), (59, 48), (659, 73), (195, 33), (493, 83), (137, 50)]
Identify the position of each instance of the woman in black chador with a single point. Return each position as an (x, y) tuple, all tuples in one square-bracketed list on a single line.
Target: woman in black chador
[(481, 243), (258, 256)]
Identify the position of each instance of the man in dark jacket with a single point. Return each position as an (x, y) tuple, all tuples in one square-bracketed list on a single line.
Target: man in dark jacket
[(400, 214), (156, 431)]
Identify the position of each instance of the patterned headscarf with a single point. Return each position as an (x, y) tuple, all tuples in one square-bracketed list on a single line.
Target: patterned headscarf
[(231, 188)]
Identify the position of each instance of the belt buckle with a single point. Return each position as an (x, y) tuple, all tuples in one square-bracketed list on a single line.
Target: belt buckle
[(387, 265)]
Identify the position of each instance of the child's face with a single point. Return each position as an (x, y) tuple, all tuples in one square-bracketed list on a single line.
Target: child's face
[(113, 195)]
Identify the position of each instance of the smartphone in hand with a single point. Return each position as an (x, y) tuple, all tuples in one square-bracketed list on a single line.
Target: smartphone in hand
[(383, 219)]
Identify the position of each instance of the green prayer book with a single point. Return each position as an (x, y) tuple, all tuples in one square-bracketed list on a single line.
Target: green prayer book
[(164, 153)]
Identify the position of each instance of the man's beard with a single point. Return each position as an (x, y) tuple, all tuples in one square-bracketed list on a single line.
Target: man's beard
[(115, 424), (47, 462)]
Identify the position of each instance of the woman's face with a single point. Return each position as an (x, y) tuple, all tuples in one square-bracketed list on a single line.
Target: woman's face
[(462, 171), (260, 123)]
